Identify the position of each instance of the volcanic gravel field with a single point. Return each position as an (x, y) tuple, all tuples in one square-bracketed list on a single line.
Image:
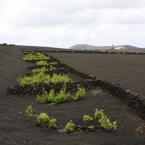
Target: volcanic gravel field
[(125, 70), (128, 70)]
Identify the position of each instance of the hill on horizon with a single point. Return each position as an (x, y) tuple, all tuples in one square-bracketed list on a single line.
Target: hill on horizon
[(117, 48), (89, 47), (83, 47)]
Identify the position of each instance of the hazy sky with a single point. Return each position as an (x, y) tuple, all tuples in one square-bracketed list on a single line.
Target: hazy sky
[(63, 23)]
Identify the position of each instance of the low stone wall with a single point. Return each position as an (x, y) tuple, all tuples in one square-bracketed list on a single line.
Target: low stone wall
[(133, 100), (37, 89)]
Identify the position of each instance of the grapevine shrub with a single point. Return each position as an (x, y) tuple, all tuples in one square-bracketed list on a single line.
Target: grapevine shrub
[(42, 78), (60, 97), (105, 121), (106, 124), (42, 118), (69, 127), (35, 56), (29, 111), (39, 70), (87, 118), (42, 62), (79, 94)]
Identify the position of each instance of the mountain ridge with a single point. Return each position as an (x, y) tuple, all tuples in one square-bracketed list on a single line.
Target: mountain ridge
[(117, 48)]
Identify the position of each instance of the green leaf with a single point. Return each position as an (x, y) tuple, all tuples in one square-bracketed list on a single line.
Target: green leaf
[(43, 118), (87, 118), (29, 111), (99, 114), (69, 127), (52, 123), (106, 124)]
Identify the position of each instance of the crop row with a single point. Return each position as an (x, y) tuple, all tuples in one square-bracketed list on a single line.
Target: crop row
[(41, 77), (43, 119), (62, 96)]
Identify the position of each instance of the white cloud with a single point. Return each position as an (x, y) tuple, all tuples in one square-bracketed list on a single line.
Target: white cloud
[(65, 23)]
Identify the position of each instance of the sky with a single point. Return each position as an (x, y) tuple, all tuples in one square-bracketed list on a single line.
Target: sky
[(64, 23)]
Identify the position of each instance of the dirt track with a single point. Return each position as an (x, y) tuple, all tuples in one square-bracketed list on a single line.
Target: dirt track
[(16, 128)]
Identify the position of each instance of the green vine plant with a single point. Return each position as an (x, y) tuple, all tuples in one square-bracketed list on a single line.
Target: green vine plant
[(102, 119), (60, 97), (80, 93), (89, 122), (42, 118), (29, 111), (106, 124), (105, 121), (53, 63), (70, 126), (39, 70), (52, 68), (87, 119), (42, 70), (99, 114), (42, 78), (41, 62), (35, 56), (91, 127)]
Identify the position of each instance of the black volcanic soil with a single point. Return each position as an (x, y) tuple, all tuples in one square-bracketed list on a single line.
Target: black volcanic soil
[(16, 128), (128, 70)]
